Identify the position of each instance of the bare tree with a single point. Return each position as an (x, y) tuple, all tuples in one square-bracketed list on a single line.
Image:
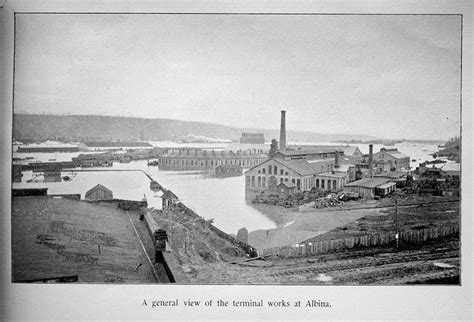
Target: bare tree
[(273, 148)]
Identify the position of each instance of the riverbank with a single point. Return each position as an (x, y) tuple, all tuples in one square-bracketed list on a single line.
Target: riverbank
[(294, 226)]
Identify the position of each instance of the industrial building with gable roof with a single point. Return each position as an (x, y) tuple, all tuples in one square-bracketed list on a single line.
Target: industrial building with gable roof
[(330, 168), (370, 187), (394, 159), (265, 177), (185, 159), (305, 168), (252, 138)]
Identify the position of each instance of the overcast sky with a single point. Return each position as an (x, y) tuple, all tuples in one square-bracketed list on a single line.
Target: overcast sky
[(387, 76)]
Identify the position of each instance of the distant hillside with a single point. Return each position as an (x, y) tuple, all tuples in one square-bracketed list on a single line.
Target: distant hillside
[(32, 127), (452, 149)]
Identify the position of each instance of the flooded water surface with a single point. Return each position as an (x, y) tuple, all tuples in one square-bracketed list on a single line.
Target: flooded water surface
[(220, 199)]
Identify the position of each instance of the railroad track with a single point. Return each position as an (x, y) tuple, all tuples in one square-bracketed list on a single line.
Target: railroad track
[(158, 271), (322, 268), (369, 252), (411, 204), (395, 273), (418, 278)]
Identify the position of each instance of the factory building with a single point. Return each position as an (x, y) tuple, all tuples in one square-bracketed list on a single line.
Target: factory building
[(391, 159), (377, 163), (252, 138), (223, 171), (290, 171), (48, 147), (295, 169), (324, 173), (197, 159), (265, 177), (330, 181), (350, 154)]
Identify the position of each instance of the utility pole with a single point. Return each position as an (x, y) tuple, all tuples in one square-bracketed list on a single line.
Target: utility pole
[(396, 221), (170, 225)]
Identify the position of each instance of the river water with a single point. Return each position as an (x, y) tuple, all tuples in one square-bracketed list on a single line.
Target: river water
[(222, 199)]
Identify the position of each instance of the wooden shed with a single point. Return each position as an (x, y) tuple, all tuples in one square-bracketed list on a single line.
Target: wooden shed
[(385, 189), (99, 192), (366, 187), (286, 188), (169, 199)]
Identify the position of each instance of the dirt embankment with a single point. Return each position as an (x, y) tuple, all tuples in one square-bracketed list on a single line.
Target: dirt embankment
[(204, 255)]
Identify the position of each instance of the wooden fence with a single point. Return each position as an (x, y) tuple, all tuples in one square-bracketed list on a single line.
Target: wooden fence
[(310, 248)]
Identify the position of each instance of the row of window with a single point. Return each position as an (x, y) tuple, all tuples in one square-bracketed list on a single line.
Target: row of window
[(261, 182), (206, 163), (274, 170), (402, 160), (326, 184)]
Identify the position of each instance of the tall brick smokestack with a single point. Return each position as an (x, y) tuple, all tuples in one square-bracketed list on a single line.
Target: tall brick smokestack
[(336, 161), (283, 131), (371, 156)]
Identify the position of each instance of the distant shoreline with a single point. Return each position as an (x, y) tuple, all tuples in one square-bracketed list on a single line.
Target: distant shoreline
[(389, 142)]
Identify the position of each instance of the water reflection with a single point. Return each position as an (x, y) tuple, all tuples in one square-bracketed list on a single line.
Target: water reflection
[(221, 199)]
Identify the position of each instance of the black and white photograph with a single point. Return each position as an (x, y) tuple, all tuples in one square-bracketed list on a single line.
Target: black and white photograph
[(282, 149)]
